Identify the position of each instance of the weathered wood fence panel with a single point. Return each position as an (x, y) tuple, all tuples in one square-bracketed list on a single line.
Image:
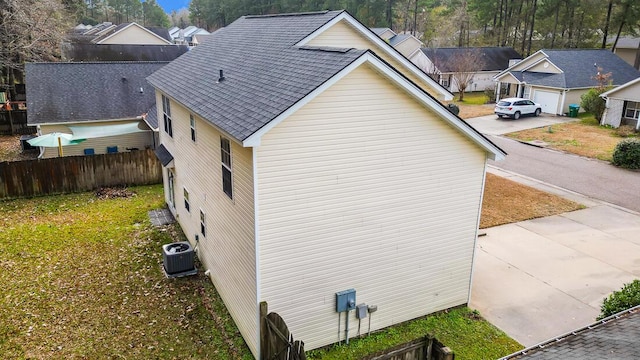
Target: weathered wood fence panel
[(78, 173), (15, 123), (276, 342), (426, 348)]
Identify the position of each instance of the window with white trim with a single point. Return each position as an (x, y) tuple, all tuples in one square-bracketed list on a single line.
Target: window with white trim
[(192, 124), (203, 224), (227, 178), (187, 205), (166, 115), (633, 110)]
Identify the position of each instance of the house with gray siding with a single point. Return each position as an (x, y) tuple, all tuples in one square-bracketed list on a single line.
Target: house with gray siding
[(311, 157)]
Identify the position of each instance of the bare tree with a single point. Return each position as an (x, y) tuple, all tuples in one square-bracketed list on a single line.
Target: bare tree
[(30, 31), (464, 65)]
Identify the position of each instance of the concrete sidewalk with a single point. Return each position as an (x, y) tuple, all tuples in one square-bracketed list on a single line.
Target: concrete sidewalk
[(540, 278)]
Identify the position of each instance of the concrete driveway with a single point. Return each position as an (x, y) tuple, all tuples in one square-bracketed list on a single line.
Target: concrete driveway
[(491, 125), (541, 278)]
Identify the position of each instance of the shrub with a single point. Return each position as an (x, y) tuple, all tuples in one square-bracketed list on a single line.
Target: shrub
[(593, 103), (625, 131), (627, 154), (626, 298), (491, 94)]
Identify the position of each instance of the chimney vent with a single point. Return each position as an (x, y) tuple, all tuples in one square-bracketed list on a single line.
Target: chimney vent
[(221, 77)]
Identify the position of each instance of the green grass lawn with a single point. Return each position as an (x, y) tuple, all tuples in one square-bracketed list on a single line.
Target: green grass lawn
[(467, 334), (81, 278), (472, 98)]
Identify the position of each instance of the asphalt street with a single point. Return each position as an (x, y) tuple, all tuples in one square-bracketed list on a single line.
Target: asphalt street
[(593, 178)]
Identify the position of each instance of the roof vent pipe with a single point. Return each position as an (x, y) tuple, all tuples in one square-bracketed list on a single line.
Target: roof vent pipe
[(221, 77)]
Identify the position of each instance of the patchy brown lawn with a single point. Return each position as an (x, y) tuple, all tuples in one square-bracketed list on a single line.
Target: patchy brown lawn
[(506, 202), (471, 111), (583, 137)]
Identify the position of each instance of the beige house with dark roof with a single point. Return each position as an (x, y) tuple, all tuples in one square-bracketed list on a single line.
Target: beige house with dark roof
[(310, 158)]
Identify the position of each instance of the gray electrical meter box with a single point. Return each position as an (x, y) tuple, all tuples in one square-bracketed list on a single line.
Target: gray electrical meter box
[(361, 311), (346, 300)]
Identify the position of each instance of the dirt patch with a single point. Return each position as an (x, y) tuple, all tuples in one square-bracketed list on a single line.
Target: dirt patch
[(506, 202), (584, 138), (113, 193), (10, 149), (471, 111)]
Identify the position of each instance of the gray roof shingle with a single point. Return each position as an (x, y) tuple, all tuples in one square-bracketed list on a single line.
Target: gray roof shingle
[(77, 52), (579, 70), (617, 337), (74, 92), (396, 39), (493, 58), (264, 73)]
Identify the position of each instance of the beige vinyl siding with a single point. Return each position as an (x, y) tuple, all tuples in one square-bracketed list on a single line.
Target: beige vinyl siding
[(365, 188), (134, 35), (139, 140), (342, 35), (573, 97), (550, 68), (629, 93), (408, 47), (228, 250), (628, 55), (526, 63)]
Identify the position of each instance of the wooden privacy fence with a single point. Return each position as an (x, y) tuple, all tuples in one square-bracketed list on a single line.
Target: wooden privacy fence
[(276, 342), (426, 348), (15, 122), (78, 173)]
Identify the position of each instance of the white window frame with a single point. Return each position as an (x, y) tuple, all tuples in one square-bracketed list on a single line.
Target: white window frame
[(203, 223), (187, 203), (192, 125), (633, 106), (172, 185), (166, 115), (227, 166)]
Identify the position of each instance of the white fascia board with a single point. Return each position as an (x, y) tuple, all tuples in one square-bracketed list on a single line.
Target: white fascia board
[(519, 63), (395, 54), (494, 152), (498, 77), (621, 87), (139, 26)]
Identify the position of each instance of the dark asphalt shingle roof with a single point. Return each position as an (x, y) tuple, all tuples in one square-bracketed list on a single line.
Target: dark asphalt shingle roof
[(264, 73), (396, 39), (493, 58), (578, 70), (616, 338), (163, 155), (77, 52), (152, 117), (73, 92)]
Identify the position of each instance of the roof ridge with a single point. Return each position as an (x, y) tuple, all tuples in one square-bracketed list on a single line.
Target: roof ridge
[(289, 14)]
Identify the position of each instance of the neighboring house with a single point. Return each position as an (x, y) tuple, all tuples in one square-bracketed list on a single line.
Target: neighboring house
[(310, 157), (557, 78), (123, 34), (187, 36), (406, 44), (628, 48), (102, 102), (80, 52), (623, 105), (440, 62), (615, 337)]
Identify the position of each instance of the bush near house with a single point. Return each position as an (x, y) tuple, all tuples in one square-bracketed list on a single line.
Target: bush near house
[(627, 154), (593, 103), (626, 298)]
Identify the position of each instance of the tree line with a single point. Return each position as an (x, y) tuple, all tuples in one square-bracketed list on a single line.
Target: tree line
[(525, 25)]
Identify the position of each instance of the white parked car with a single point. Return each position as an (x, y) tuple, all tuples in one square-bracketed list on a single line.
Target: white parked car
[(516, 107)]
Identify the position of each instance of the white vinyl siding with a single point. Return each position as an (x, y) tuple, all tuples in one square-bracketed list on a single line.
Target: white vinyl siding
[(228, 250), (140, 140), (134, 35), (365, 188), (342, 35)]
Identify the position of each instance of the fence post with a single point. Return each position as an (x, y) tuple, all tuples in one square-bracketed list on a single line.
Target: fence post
[(264, 310), (447, 354)]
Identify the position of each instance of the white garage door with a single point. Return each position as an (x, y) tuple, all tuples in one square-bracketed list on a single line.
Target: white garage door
[(549, 100)]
